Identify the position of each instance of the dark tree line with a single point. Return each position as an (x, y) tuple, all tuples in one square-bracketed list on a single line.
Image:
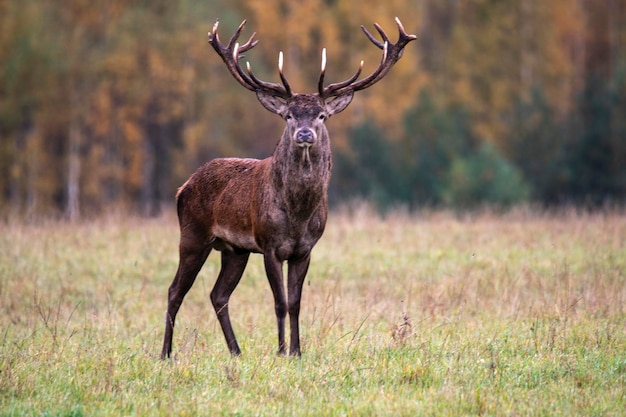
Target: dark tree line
[(577, 160)]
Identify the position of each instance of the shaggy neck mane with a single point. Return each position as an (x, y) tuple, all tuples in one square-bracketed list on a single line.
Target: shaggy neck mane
[(301, 180)]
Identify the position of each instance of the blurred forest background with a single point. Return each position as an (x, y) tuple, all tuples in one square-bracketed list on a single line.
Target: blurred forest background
[(112, 104)]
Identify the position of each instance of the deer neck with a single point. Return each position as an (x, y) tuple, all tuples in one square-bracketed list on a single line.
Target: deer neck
[(300, 176)]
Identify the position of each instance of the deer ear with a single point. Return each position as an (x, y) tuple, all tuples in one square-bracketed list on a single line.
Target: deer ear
[(339, 103), (272, 103)]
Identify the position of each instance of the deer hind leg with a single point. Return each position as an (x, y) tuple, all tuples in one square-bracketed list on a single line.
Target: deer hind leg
[(295, 279), (274, 271), (189, 265), (233, 265)]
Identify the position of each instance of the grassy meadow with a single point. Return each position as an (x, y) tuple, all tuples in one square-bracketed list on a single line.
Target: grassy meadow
[(433, 314)]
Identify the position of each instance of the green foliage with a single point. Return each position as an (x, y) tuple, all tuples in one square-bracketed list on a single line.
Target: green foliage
[(483, 178), (576, 158), (438, 163), (434, 137), (541, 147), (599, 150), (370, 169)]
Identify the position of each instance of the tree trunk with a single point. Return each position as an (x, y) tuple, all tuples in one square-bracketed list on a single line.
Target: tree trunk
[(149, 205), (72, 207)]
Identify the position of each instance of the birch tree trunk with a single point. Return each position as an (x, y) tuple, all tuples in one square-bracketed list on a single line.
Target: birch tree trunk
[(72, 208)]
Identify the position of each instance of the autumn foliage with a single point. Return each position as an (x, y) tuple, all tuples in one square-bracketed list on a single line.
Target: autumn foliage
[(112, 104)]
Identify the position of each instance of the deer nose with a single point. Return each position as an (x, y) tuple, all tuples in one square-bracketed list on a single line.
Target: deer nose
[(305, 136)]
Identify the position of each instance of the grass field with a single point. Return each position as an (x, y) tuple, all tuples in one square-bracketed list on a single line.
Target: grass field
[(431, 314)]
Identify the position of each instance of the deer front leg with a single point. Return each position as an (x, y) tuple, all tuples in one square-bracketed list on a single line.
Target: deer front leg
[(274, 271), (189, 265), (233, 265), (295, 279)]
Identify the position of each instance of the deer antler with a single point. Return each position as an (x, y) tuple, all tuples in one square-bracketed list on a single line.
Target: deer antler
[(391, 54), (230, 54)]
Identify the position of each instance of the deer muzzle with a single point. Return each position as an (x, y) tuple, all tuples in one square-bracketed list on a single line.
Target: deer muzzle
[(305, 137)]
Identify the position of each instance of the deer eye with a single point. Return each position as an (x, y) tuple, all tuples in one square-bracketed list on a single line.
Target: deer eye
[(288, 117), (322, 117)]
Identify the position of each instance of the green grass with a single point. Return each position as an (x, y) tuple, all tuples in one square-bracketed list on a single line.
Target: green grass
[(432, 314)]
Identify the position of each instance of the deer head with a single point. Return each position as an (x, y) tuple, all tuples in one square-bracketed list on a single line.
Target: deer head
[(305, 114)]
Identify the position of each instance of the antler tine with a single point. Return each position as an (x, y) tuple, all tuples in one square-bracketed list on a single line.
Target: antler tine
[(282, 76), (230, 54), (214, 38), (403, 32), (276, 90), (382, 32), (233, 39), (375, 41), (213, 32), (320, 83), (325, 92), (391, 53)]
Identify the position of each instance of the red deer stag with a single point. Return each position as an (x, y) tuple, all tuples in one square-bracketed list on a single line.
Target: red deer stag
[(276, 206)]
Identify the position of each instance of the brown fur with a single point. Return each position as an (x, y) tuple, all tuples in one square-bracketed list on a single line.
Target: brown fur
[(276, 206)]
